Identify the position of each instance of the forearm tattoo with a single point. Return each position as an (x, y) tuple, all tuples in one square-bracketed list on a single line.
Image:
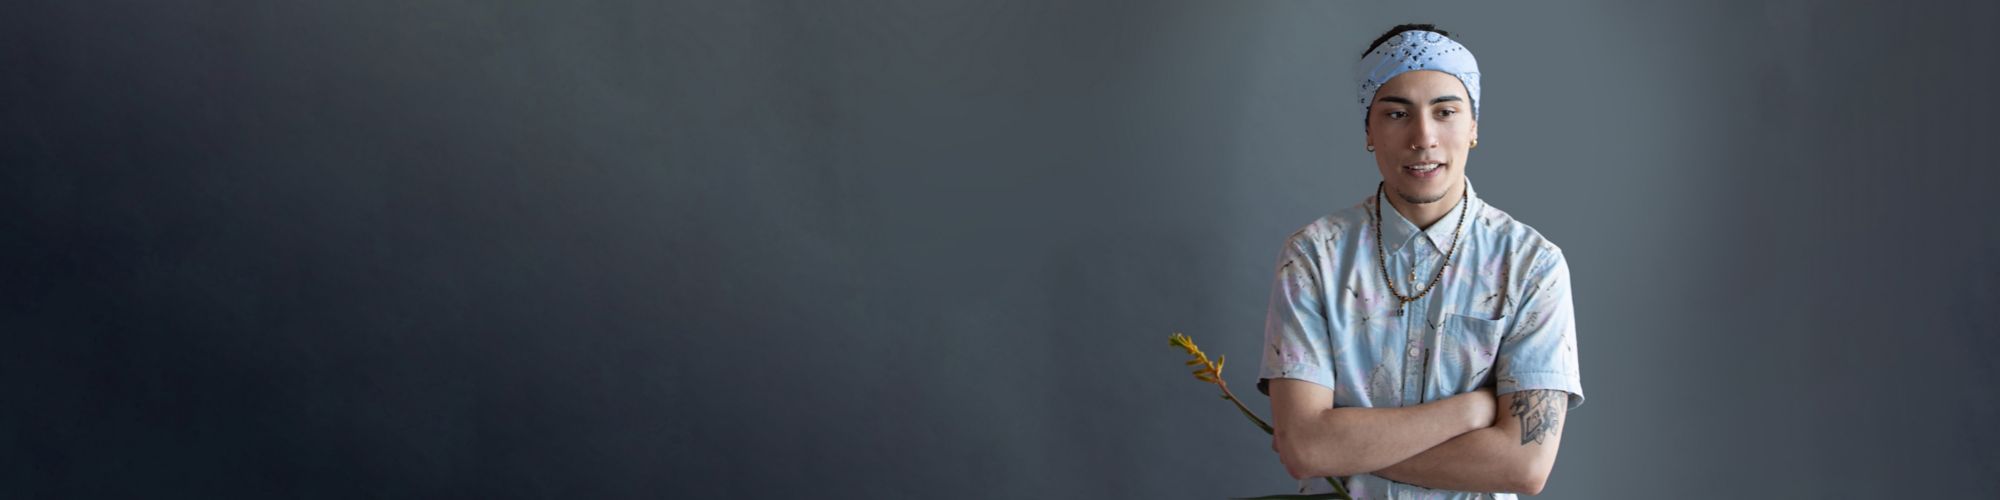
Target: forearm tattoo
[(1541, 413)]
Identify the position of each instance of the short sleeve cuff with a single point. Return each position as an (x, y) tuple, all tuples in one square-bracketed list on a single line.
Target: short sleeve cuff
[(1296, 371), (1536, 381)]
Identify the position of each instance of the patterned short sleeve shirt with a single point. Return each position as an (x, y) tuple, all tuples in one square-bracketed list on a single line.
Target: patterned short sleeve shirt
[(1500, 316)]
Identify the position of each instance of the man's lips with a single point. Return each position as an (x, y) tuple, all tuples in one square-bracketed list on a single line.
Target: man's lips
[(1424, 170)]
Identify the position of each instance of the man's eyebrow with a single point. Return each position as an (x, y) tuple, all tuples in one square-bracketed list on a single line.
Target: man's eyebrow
[(1446, 98)]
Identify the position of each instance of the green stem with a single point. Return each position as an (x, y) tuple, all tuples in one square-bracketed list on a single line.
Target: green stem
[(1246, 410)]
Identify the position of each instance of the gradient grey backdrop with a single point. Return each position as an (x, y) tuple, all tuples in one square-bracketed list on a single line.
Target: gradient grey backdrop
[(906, 249)]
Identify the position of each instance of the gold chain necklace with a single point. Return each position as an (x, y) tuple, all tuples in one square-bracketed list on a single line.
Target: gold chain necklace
[(1382, 262)]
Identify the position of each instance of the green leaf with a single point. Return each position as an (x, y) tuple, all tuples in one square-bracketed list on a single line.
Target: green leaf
[(1336, 494)]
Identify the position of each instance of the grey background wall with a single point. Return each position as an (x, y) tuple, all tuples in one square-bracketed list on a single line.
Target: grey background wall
[(903, 249)]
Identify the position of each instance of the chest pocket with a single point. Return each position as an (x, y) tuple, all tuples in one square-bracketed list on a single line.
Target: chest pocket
[(1467, 346)]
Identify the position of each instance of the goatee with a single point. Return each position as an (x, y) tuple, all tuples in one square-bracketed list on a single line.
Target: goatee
[(1418, 200)]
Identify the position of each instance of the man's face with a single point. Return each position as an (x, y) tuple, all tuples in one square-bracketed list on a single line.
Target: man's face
[(1418, 120)]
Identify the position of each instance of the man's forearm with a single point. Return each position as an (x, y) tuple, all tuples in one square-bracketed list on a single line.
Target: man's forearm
[(1473, 461), (1511, 456), (1349, 441)]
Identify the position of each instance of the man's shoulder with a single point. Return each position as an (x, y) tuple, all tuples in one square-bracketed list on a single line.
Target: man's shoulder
[(1511, 233), (1332, 228)]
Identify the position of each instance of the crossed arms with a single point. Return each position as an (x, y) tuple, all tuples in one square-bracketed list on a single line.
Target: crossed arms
[(1468, 442)]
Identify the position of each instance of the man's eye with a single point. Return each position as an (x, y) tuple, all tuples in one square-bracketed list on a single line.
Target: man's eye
[(1446, 113), (1397, 115)]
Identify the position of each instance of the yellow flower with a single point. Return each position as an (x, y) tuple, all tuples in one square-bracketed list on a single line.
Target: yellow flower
[(1205, 370)]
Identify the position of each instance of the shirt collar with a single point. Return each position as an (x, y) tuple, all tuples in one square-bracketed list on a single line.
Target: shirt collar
[(1398, 231)]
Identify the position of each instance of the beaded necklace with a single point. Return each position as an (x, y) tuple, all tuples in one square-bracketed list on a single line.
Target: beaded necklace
[(1381, 262)]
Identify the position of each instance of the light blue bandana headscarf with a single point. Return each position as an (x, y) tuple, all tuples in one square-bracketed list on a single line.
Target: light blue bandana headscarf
[(1417, 50)]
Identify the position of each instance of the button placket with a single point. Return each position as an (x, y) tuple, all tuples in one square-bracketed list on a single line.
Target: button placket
[(1416, 346)]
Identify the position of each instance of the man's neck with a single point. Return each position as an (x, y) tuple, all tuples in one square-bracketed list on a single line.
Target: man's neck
[(1424, 215)]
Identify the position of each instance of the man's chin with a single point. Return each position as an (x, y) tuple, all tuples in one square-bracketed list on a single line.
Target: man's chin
[(1424, 197)]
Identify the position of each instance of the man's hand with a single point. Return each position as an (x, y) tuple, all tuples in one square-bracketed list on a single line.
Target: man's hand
[(1482, 406)]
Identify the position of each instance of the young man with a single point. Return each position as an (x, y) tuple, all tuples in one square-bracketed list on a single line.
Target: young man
[(1422, 341)]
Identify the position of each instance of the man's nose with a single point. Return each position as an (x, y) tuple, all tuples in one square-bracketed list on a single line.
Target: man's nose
[(1425, 136)]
